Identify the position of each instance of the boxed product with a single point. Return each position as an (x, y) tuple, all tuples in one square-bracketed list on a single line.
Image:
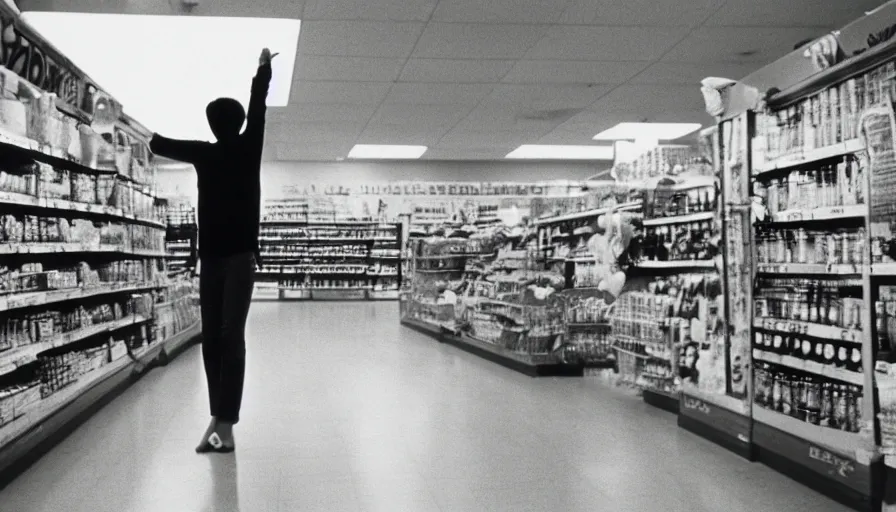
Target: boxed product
[(55, 184), (14, 116), (84, 188)]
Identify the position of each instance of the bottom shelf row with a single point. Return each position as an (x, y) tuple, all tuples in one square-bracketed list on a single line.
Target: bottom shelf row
[(273, 291), (63, 378)]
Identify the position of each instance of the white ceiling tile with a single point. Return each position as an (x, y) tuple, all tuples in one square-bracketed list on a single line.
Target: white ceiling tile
[(606, 43), (319, 152), (792, 13), (437, 94), (681, 116), (322, 113), (455, 70), (509, 117), (233, 8), (572, 72), (402, 134), (348, 69), (739, 44), (484, 139), (644, 13), (359, 38), (372, 10), (313, 133), (692, 73), (548, 97), (497, 11), (477, 41), (360, 93), (639, 101), (420, 115), (581, 128)]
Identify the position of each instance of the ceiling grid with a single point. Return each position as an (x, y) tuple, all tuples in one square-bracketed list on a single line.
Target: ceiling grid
[(475, 79)]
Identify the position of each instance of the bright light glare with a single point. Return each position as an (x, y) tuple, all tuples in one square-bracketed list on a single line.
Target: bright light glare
[(383, 151), (551, 152), (648, 131), (165, 69)]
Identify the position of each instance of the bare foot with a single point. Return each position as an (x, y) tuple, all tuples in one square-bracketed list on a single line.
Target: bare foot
[(225, 432), (203, 443)]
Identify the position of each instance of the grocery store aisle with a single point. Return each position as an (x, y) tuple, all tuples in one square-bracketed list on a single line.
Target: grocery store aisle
[(348, 411)]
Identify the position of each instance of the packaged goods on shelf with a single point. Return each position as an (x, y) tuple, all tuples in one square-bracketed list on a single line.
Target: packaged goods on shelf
[(809, 398), (301, 254), (81, 247), (480, 288), (885, 379)]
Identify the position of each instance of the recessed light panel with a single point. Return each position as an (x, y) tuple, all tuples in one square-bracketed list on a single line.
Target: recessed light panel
[(648, 131), (165, 69), (552, 152), (386, 152)]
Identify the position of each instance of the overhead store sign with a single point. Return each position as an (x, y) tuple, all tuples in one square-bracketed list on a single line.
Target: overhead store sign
[(418, 188), (27, 54)]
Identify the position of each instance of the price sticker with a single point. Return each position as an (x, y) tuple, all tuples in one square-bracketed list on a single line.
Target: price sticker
[(848, 335)]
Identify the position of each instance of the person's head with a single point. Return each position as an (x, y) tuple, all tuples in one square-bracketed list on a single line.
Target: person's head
[(225, 117)]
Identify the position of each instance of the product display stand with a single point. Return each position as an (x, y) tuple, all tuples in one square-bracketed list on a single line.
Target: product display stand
[(321, 257), (820, 167), (86, 300), (480, 293), (72, 408), (491, 353), (722, 415)]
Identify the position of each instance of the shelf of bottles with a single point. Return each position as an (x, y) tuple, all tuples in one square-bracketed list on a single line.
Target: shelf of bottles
[(820, 326), (310, 254)]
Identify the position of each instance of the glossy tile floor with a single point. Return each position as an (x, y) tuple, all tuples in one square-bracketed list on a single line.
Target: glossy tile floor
[(345, 410)]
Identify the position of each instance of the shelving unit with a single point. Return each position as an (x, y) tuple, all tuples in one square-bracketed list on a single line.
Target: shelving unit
[(819, 270), (84, 285), (309, 257)]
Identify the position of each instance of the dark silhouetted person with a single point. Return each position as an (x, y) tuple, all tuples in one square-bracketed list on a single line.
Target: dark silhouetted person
[(229, 179)]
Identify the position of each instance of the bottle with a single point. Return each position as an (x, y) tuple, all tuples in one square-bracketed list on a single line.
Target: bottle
[(830, 353), (838, 418), (813, 402), (818, 354), (842, 357), (787, 395), (880, 322), (855, 360), (827, 405), (800, 400), (852, 416), (776, 391)]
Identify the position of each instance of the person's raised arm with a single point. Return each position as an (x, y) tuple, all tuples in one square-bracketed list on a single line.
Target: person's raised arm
[(258, 97), (189, 151)]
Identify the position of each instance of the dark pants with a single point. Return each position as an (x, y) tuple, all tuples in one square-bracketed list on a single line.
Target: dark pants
[(225, 293)]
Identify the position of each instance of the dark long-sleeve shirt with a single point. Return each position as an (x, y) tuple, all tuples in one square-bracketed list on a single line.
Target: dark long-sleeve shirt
[(229, 179)]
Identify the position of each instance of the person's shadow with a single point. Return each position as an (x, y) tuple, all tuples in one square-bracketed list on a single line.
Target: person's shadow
[(225, 489)]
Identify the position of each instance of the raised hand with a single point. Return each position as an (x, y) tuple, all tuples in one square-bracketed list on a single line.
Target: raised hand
[(266, 57)]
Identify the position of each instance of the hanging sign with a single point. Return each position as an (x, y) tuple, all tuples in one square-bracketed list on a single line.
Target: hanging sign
[(421, 188), (24, 52)]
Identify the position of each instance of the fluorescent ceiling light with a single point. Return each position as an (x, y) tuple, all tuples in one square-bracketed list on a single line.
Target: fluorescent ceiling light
[(165, 69), (648, 131), (385, 151), (551, 152)]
